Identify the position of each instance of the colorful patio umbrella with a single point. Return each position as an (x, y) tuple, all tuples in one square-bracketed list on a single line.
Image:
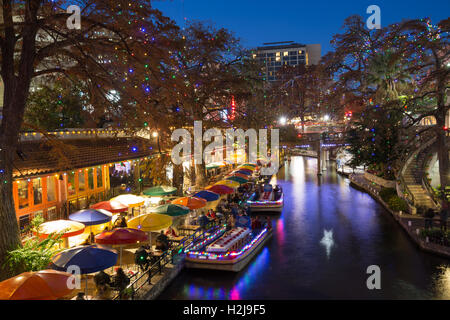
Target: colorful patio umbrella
[(111, 206), (150, 222), (250, 164), (211, 166), (243, 171), (90, 217), (207, 195), (89, 259), (246, 167), (68, 228), (241, 175), (228, 183), (220, 189), (190, 202), (129, 200), (173, 210), (39, 285), (237, 179), (121, 236), (160, 191)]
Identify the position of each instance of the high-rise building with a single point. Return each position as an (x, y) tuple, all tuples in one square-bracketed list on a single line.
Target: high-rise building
[(273, 55)]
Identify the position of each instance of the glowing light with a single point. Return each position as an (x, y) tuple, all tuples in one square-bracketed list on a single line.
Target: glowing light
[(283, 120), (327, 241)]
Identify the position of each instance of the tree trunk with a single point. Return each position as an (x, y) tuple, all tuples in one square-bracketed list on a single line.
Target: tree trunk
[(442, 152), (178, 178), (200, 175)]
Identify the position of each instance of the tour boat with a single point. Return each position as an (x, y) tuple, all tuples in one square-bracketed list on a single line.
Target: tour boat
[(228, 250), (270, 200)]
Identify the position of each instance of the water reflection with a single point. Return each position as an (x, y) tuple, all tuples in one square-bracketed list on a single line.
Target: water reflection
[(294, 264)]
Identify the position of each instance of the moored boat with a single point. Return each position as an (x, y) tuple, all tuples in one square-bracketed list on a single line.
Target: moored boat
[(230, 251), (270, 200)]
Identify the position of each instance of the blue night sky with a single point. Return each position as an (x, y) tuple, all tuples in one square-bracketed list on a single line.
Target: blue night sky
[(258, 21)]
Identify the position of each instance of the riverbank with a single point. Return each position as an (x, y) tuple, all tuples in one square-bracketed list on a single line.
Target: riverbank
[(411, 224)]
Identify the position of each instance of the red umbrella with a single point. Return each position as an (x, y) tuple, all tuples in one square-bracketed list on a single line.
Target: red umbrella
[(121, 236), (111, 206), (220, 189)]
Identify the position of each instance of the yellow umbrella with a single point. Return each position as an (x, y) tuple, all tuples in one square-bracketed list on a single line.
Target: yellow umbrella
[(246, 167), (228, 183), (129, 200), (150, 222)]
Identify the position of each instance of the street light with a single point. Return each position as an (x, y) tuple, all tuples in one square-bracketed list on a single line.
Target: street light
[(283, 121), (326, 117), (154, 134)]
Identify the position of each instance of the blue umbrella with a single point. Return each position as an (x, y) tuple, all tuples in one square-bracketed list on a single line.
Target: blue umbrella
[(207, 195), (243, 172), (89, 259), (91, 217)]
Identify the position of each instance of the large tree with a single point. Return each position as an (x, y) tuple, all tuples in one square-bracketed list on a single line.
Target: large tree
[(119, 52)]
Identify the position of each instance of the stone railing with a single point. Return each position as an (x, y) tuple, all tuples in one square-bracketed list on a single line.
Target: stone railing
[(380, 181)]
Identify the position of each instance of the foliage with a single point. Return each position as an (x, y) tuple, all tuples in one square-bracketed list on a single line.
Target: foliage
[(35, 254), (397, 204), (56, 106), (387, 193)]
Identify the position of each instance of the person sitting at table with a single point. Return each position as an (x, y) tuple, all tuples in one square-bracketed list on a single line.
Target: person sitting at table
[(121, 281), (123, 223), (162, 242), (171, 232), (203, 221), (102, 278), (213, 214)]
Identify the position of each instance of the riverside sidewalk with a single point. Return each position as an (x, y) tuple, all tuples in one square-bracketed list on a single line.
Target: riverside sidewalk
[(411, 224)]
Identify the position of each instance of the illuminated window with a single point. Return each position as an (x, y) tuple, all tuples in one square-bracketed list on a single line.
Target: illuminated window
[(51, 189), (37, 191), (22, 187), (81, 181), (91, 178), (277, 58), (300, 51), (285, 53), (71, 183), (278, 54), (99, 177)]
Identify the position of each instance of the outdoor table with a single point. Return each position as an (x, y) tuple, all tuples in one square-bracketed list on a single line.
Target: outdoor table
[(188, 229), (176, 239)]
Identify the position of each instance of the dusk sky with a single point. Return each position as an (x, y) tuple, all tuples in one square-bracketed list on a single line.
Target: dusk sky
[(259, 21)]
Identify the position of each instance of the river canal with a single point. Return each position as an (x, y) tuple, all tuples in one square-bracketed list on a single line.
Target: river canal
[(323, 242)]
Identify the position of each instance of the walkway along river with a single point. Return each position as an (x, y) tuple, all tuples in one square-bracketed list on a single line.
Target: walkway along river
[(323, 242)]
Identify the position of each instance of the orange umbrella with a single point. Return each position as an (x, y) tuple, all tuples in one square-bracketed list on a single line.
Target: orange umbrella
[(40, 285), (190, 202), (68, 228)]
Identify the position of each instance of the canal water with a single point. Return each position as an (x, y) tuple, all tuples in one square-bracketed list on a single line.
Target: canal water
[(323, 242)]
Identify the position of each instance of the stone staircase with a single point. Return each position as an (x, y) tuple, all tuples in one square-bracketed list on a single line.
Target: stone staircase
[(412, 176)]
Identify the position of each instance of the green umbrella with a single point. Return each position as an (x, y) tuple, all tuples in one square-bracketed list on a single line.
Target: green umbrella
[(160, 191), (237, 179), (172, 210), (249, 164), (211, 166)]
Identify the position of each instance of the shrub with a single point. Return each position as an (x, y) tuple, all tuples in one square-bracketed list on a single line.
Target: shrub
[(387, 193), (397, 204)]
